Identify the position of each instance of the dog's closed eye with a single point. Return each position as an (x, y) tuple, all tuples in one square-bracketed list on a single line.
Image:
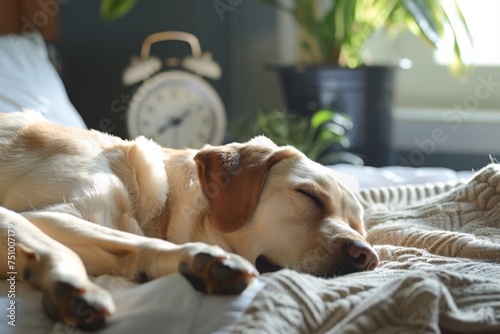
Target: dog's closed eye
[(264, 265), (312, 196)]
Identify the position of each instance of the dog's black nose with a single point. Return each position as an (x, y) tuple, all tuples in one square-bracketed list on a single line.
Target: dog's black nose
[(265, 265), (362, 256)]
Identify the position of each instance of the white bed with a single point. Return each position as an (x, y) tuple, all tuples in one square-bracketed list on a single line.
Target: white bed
[(296, 303)]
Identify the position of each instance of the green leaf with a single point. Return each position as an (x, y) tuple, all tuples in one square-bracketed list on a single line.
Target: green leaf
[(457, 66), (113, 9), (421, 12), (463, 22), (324, 140), (321, 117), (349, 19)]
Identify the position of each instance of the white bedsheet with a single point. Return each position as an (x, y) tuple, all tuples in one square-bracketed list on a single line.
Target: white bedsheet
[(371, 177), (164, 305), (169, 304)]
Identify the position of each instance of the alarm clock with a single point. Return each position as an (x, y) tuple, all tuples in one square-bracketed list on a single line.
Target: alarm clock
[(176, 108)]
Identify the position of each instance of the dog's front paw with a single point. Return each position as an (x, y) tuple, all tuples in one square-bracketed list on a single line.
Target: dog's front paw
[(83, 307), (211, 270)]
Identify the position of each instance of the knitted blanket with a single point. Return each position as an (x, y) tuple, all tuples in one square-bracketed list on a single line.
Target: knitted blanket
[(439, 247)]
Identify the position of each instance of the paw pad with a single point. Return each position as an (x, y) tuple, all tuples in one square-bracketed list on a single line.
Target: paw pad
[(87, 309), (217, 273)]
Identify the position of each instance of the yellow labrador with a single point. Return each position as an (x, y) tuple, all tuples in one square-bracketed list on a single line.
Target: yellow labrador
[(76, 202)]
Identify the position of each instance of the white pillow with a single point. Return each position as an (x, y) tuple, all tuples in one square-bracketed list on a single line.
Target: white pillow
[(29, 81)]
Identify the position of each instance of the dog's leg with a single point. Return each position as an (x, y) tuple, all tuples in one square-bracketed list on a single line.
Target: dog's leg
[(104, 250), (30, 255)]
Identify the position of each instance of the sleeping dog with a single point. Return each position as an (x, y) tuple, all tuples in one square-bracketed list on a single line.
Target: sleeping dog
[(76, 202)]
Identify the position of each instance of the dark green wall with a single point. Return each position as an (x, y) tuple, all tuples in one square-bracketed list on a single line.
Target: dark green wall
[(95, 53)]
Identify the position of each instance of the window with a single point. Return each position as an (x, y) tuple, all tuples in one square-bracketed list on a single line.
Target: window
[(484, 26)]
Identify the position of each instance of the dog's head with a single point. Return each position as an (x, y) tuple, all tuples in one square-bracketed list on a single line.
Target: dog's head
[(279, 209)]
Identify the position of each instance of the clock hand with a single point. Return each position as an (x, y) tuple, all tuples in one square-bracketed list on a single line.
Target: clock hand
[(165, 127), (184, 115), (174, 121)]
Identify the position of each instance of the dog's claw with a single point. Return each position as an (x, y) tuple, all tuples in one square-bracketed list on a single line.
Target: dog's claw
[(217, 272), (87, 308)]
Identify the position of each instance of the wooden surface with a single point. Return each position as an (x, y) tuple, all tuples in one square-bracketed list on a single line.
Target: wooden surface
[(22, 16)]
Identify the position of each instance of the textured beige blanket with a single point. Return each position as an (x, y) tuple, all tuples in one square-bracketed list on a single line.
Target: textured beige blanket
[(440, 269)]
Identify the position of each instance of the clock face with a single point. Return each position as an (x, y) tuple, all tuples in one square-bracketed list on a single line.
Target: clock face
[(177, 109)]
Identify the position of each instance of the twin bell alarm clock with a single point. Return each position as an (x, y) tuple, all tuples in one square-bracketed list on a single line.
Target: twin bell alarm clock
[(175, 107)]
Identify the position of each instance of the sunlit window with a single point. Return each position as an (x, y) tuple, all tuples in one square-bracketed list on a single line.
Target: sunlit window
[(483, 19)]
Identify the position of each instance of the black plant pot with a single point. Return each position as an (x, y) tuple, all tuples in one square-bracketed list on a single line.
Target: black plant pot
[(365, 94)]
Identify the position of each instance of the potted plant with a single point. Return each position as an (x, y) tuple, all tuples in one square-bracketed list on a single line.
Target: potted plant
[(321, 136), (335, 76)]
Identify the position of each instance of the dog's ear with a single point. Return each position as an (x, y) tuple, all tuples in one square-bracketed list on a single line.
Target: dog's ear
[(231, 178)]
